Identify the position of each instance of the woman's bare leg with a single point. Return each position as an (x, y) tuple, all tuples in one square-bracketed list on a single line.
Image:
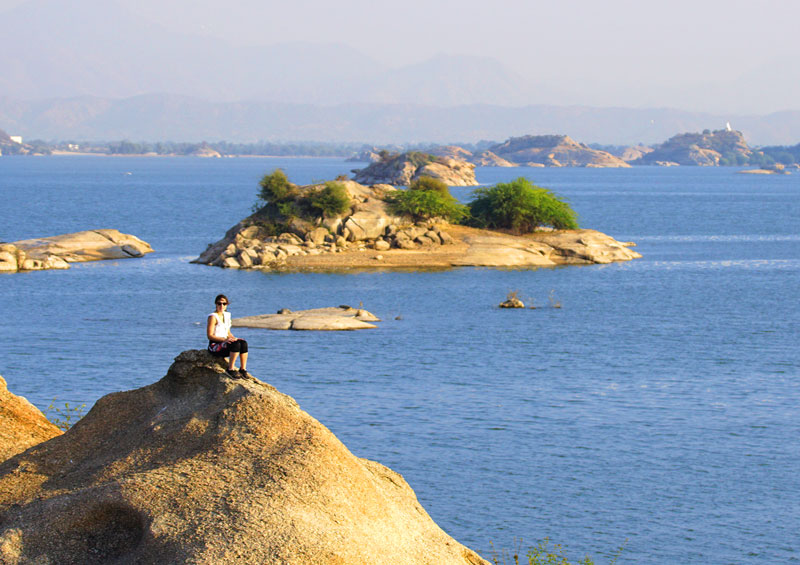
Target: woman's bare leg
[(232, 362), (243, 362)]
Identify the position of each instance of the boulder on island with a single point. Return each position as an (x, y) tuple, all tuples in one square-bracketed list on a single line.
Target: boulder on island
[(21, 424), (58, 251), (203, 468), (335, 318)]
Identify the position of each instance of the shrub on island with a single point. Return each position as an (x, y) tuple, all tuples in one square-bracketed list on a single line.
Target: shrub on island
[(331, 201), (520, 206), (280, 202), (427, 198), (276, 188)]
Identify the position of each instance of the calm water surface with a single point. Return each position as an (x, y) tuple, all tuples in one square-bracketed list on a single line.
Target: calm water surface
[(658, 405)]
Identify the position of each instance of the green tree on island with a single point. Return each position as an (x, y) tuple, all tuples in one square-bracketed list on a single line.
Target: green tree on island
[(427, 198), (521, 207)]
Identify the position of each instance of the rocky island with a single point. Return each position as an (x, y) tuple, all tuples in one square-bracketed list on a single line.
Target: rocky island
[(402, 168), (57, 252), (366, 234), (706, 149), (202, 468), (553, 151)]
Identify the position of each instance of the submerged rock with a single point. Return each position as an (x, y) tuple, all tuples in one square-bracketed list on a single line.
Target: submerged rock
[(202, 468), (341, 318), (21, 424)]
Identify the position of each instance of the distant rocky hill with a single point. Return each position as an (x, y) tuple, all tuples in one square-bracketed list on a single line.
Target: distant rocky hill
[(9, 147), (709, 148), (554, 151), (482, 159), (402, 168)]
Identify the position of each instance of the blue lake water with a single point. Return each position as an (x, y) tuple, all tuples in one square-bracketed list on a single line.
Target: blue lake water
[(658, 405)]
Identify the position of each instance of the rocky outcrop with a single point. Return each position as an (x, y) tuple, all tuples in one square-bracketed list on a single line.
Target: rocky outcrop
[(554, 151), (11, 147), (367, 156), (58, 251), (320, 319), (367, 225), (202, 468), (635, 152), (709, 149), (401, 169), (512, 302), (205, 150), (489, 159), (22, 425)]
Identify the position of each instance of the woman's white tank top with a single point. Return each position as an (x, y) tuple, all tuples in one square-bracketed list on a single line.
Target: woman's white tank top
[(222, 327)]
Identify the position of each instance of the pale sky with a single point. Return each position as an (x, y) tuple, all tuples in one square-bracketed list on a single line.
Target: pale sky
[(620, 52)]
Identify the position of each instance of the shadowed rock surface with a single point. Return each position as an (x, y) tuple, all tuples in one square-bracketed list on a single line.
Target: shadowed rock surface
[(323, 319), (21, 424), (201, 468), (58, 251)]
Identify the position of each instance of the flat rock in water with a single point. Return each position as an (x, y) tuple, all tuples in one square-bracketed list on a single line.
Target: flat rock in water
[(58, 251), (22, 425), (203, 468), (321, 319)]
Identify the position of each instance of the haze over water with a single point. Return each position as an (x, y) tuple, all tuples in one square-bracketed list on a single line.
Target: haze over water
[(658, 405)]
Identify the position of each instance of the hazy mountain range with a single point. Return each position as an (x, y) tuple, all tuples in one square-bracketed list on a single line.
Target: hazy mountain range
[(63, 76)]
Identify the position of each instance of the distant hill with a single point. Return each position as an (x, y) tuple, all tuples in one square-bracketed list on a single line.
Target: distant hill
[(129, 56), (162, 117)]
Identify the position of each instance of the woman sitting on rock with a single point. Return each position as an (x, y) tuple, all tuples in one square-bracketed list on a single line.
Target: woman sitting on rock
[(222, 343)]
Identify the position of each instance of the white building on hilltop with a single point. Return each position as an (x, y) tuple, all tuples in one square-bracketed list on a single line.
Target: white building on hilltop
[(16, 139)]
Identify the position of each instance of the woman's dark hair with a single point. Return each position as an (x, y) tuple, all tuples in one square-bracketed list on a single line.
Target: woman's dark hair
[(220, 297)]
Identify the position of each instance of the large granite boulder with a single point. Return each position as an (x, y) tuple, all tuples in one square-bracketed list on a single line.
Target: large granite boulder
[(202, 468), (21, 424), (58, 251)]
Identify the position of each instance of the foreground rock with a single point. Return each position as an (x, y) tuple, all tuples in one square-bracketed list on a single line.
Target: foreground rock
[(22, 425), (323, 319), (57, 252), (200, 468), (400, 169)]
